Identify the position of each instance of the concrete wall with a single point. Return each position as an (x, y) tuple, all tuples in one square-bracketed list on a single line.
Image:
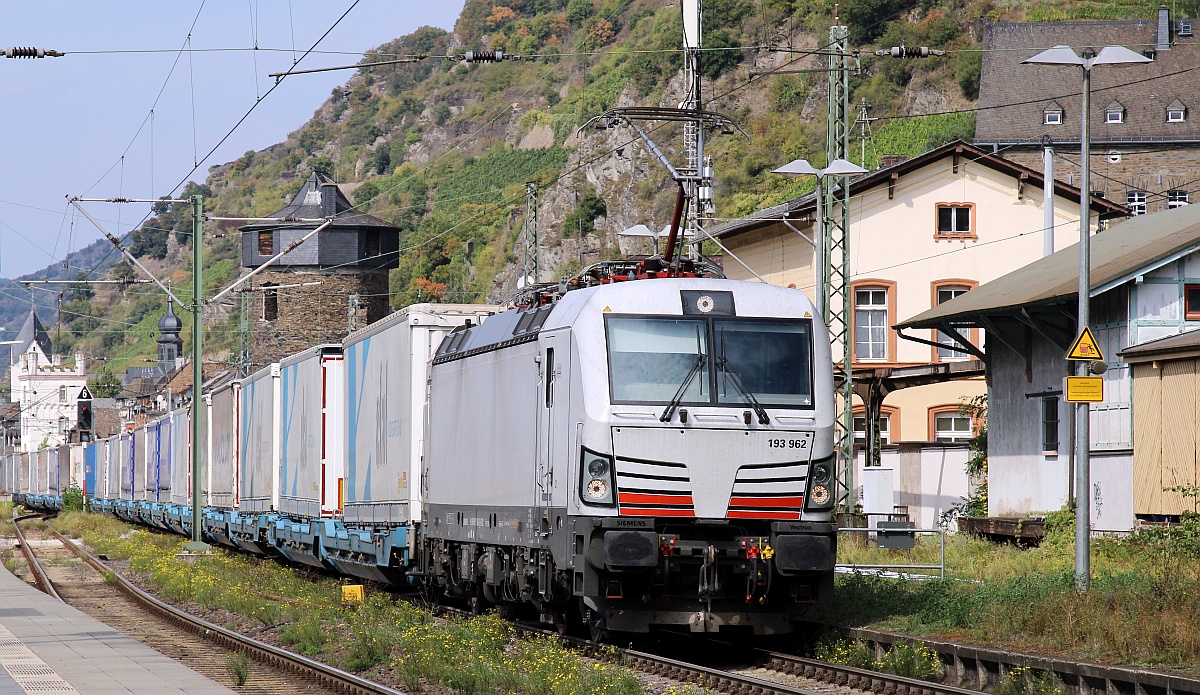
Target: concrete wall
[(927, 477)]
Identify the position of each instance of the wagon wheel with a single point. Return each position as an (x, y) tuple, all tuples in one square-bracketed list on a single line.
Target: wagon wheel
[(596, 634)]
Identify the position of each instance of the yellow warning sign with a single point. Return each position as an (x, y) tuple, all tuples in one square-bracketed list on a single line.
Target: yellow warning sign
[(1085, 347), (807, 315), (607, 309), (1084, 389)]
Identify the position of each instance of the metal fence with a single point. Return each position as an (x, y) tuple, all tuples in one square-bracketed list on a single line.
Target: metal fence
[(897, 535)]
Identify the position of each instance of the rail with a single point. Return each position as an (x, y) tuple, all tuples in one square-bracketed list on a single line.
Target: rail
[(982, 667), (324, 674), (35, 568)]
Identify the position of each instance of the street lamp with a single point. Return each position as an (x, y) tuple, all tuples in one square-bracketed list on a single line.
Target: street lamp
[(838, 167), (821, 277), (1065, 55)]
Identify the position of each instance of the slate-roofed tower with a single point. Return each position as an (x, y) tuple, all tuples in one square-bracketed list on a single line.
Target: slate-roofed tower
[(350, 260)]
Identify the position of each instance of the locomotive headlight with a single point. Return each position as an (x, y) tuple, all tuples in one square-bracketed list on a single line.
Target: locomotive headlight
[(595, 478), (597, 489), (819, 495), (820, 472)]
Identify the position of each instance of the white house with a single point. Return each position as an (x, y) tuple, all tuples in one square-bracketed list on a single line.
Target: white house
[(46, 389)]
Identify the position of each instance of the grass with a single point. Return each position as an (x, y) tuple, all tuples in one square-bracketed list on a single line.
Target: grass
[(7, 528), (907, 659), (481, 654), (1028, 681), (1143, 606), (239, 668)]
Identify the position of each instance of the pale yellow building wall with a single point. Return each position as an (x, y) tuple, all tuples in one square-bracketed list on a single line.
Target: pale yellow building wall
[(914, 405), (778, 254)]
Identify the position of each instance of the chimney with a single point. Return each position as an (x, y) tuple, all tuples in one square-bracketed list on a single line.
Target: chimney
[(889, 160), (1164, 28), (329, 193)]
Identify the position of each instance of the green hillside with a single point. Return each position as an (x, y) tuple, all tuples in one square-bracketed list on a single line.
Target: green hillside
[(443, 149)]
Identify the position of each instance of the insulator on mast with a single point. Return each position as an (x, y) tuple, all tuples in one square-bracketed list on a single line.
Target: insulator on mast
[(30, 52)]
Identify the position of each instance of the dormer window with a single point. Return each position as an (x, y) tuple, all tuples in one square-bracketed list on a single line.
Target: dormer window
[(1176, 112), (1185, 29), (1114, 113), (1052, 115)]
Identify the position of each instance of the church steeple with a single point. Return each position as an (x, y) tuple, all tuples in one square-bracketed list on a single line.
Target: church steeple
[(170, 345)]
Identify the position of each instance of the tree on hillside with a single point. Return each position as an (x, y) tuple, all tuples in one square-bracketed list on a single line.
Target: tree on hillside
[(104, 384), (582, 220)]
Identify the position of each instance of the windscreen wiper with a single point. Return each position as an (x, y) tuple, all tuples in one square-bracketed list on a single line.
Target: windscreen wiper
[(732, 376), (687, 381)]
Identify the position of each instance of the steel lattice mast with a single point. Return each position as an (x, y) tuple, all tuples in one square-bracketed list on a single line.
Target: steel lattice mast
[(836, 244), (532, 265), (697, 167)]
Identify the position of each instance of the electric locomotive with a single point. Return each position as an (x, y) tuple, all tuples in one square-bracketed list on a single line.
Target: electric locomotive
[(635, 454)]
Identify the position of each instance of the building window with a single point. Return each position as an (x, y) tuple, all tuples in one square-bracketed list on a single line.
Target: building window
[(955, 220), (870, 323), (1191, 302), (1050, 425), (1136, 202), (1175, 115), (883, 428), (952, 426), (62, 394), (266, 243), (1114, 113), (944, 294), (371, 247), (270, 304), (1177, 199), (64, 425), (1052, 115)]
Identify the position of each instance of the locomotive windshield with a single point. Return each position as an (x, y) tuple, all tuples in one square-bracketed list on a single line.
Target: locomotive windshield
[(716, 361)]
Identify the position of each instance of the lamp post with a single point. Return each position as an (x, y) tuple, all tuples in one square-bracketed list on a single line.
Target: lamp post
[(1065, 55), (838, 167), (821, 277)]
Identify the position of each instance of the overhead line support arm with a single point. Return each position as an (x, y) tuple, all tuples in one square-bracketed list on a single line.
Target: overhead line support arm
[(121, 247)]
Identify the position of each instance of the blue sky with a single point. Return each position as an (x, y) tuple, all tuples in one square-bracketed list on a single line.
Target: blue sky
[(66, 122)]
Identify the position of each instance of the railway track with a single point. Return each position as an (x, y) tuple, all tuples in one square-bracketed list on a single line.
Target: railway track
[(758, 671), (85, 582)]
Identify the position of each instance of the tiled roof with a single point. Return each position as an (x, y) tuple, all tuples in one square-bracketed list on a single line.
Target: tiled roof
[(32, 331), (1013, 97)]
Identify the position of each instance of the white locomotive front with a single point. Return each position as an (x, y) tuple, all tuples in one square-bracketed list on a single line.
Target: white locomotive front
[(636, 454)]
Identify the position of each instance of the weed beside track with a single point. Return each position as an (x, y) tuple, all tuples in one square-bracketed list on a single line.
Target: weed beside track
[(383, 639), (1143, 607)]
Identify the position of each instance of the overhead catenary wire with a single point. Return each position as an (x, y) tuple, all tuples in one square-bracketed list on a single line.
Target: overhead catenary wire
[(240, 121)]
